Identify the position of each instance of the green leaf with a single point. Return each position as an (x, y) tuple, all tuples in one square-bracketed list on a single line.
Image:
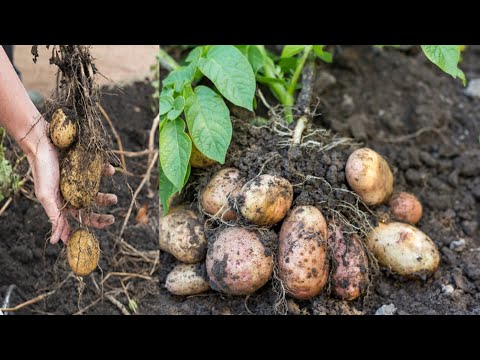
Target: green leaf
[(291, 50), (446, 57), (189, 169), (270, 81), (165, 191), (175, 150), (255, 58), (231, 74), (194, 55), (185, 74), (322, 54), (166, 104), (208, 120), (177, 109)]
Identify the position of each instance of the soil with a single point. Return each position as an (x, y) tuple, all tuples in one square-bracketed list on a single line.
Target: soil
[(35, 266), (421, 121)]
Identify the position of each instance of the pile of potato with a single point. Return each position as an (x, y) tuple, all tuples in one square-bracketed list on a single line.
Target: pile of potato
[(310, 252)]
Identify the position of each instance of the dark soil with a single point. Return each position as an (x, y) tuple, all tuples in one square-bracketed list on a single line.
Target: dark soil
[(35, 266), (420, 120)]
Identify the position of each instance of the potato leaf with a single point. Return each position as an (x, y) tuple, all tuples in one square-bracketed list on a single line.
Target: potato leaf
[(231, 73), (291, 50), (166, 190), (446, 57), (166, 104), (322, 54), (208, 120)]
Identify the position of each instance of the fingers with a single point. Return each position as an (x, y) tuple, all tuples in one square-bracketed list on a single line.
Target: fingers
[(98, 221), (103, 199), (60, 230), (108, 170)]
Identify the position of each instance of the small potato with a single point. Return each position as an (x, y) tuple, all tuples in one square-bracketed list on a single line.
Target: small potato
[(404, 249), (350, 265), (83, 252), (406, 207), (238, 263), (181, 234), (369, 175), (265, 200), (80, 176), (63, 128), (187, 279), (302, 252), (198, 160), (224, 184)]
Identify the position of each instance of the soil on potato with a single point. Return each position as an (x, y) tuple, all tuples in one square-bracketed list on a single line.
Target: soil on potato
[(428, 130), (35, 266)]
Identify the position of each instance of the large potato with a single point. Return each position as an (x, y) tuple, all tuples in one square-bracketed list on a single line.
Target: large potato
[(187, 279), (181, 234), (406, 207), (224, 184), (238, 263), (350, 265), (302, 252), (63, 128), (83, 252), (265, 200), (369, 175), (198, 160), (80, 176), (404, 249)]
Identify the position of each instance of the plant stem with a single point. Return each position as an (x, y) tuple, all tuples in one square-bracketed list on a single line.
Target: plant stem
[(298, 70), (167, 61)]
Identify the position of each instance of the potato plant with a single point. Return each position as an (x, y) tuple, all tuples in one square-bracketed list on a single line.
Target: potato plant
[(9, 179)]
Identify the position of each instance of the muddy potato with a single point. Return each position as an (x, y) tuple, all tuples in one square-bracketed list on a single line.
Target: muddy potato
[(265, 200), (302, 252), (187, 279), (80, 176), (198, 160), (63, 128), (404, 249), (369, 175), (406, 207), (181, 234), (224, 184), (238, 263), (83, 252), (349, 265)]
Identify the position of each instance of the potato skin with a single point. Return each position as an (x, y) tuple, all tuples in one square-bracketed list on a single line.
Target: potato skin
[(265, 200), (350, 264), (187, 279), (404, 249), (302, 252), (369, 175), (83, 252), (238, 263), (181, 234), (80, 176), (214, 198), (63, 128), (406, 207), (198, 160)]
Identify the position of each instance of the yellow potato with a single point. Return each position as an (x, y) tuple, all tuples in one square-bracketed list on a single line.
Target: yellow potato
[(83, 252), (265, 200), (187, 279), (214, 198), (63, 129), (181, 234), (80, 176), (404, 249), (369, 175)]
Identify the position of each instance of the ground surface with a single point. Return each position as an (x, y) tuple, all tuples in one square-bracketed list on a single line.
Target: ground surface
[(428, 130)]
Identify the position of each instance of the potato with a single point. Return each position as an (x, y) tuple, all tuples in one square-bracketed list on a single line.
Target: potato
[(63, 128), (350, 264), (198, 160), (238, 263), (181, 234), (224, 184), (406, 207), (265, 200), (369, 175), (302, 252), (187, 279), (83, 252), (404, 249), (80, 176)]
